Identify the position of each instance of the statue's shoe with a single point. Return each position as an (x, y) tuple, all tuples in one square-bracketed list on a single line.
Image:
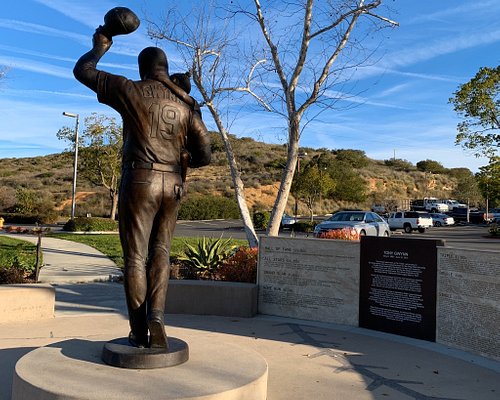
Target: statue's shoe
[(157, 335), (140, 341)]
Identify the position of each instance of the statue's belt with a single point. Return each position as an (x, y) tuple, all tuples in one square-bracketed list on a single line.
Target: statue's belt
[(154, 166)]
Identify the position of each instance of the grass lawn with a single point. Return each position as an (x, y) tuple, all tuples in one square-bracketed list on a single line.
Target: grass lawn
[(110, 244), (17, 252)]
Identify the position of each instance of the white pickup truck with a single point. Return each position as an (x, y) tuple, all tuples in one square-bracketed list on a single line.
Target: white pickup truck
[(410, 221), (430, 204)]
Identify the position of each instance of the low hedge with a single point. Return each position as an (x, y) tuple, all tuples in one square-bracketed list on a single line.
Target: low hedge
[(17, 218), (208, 207), (305, 226), (91, 224)]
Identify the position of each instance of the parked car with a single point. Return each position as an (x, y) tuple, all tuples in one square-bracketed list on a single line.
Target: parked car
[(287, 221), (451, 203), (439, 219), (364, 222), (410, 221), (429, 204), (495, 213), (474, 216)]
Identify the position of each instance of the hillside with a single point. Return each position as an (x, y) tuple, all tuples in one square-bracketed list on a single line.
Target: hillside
[(260, 163)]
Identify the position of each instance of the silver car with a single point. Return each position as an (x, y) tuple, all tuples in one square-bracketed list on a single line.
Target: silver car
[(439, 219), (364, 222)]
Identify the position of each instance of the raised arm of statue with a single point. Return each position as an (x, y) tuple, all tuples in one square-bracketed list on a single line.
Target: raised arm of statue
[(85, 69)]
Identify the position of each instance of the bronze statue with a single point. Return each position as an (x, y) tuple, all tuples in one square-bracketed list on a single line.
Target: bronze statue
[(163, 134)]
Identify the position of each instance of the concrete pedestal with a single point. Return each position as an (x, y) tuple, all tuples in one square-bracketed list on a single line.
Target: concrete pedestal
[(73, 369), (119, 353)]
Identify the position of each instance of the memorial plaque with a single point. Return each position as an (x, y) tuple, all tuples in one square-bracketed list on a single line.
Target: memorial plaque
[(468, 305), (398, 286), (312, 279)]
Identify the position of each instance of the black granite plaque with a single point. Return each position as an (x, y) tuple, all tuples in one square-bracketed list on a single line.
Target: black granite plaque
[(398, 286)]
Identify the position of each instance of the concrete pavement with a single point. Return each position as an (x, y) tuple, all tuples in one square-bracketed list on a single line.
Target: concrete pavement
[(306, 360), (65, 261)]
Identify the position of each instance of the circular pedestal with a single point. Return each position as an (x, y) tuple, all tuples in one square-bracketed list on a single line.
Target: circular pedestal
[(73, 369), (119, 353)]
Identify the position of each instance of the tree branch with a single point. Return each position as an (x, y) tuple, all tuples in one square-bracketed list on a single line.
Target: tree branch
[(326, 68), (389, 21), (362, 8), (304, 46), (273, 49), (247, 88)]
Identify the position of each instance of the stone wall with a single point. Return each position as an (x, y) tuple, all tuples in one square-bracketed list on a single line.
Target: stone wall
[(468, 302), (309, 279), (319, 280)]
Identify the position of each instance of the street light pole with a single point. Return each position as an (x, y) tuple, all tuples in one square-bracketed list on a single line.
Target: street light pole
[(75, 164)]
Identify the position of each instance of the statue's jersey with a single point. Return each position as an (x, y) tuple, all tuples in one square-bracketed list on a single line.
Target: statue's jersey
[(157, 125)]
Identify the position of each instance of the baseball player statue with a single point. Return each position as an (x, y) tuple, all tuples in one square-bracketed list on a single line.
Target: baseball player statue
[(160, 127)]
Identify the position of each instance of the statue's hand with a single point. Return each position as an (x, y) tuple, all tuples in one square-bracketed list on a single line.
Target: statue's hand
[(101, 41)]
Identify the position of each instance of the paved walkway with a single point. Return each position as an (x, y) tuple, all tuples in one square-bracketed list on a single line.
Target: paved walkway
[(65, 261), (306, 360)]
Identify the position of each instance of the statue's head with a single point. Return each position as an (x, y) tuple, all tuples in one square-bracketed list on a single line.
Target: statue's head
[(152, 63), (182, 80)]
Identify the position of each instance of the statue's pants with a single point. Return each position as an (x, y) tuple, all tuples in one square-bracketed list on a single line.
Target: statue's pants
[(148, 205)]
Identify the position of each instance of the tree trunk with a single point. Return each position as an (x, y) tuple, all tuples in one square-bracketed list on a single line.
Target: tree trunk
[(239, 191), (114, 204), (286, 180)]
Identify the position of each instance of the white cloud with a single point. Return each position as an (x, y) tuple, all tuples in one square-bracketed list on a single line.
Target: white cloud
[(40, 29), (87, 14), (440, 47), (462, 9), (35, 66)]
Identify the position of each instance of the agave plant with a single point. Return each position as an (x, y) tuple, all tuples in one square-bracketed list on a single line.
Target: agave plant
[(207, 255)]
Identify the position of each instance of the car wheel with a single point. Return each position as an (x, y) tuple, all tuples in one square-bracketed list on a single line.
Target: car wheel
[(362, 233), (386, 233), (437, 223), (421, 230), (407, 228)]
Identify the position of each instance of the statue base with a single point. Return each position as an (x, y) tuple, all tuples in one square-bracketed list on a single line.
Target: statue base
[(73, 369), (119, 353)]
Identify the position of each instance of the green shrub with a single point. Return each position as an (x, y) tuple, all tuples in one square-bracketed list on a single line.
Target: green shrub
[(207, 256), (9, 276), (261, 219), (18, 256), (208, 207), (304, 226), (494, 229), (90, 224)]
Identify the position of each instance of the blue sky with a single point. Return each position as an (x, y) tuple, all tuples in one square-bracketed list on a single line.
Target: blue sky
[(402, 107)]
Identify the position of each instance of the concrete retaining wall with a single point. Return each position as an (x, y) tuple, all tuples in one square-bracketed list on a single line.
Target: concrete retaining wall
[(297, 283), (25, 302), (230, 299)]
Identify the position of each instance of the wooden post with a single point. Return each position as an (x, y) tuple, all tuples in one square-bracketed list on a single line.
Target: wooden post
[(38, 254)]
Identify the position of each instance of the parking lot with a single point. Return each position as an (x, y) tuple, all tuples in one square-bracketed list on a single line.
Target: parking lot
[(473, 237)]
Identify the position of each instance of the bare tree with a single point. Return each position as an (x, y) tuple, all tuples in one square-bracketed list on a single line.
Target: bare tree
[(312, 47), (206, 49)]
